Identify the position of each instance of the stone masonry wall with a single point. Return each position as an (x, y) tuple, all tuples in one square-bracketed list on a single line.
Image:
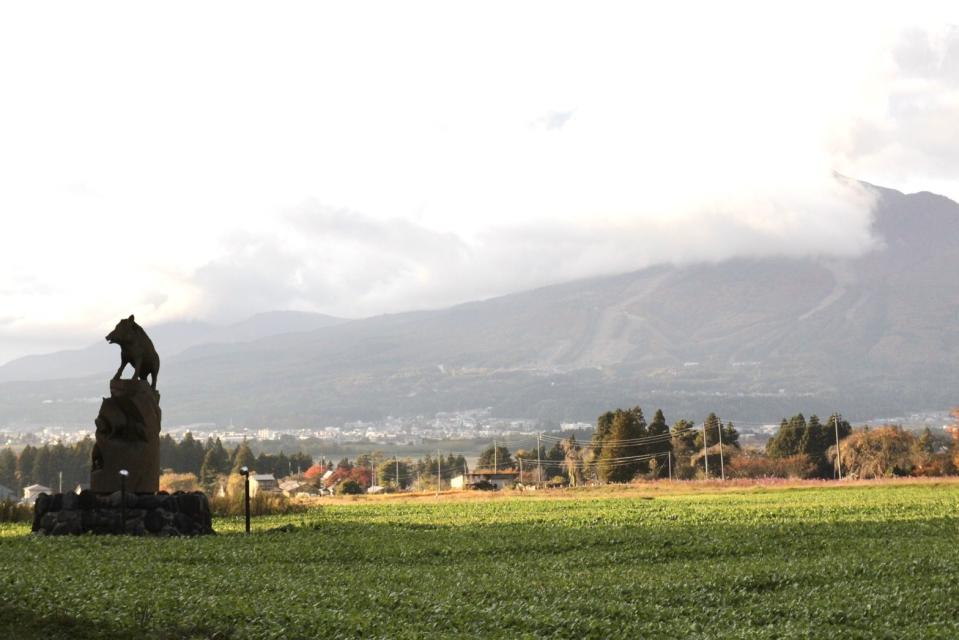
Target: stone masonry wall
[(160, 514)]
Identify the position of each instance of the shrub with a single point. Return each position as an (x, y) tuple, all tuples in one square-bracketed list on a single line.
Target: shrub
[(262, 504), (172, 482), (349, 488), (936, 464), (756, 464), (12, 511)]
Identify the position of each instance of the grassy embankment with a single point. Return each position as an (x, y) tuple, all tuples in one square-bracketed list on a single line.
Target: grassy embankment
[(769, 561)]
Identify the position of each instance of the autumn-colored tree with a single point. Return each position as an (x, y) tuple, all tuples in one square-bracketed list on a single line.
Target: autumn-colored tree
[(360, 475), (876, 453), (954, 430), (572, 461)]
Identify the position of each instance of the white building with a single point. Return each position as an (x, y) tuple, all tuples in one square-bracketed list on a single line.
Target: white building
[(30, 493), (263, 482)]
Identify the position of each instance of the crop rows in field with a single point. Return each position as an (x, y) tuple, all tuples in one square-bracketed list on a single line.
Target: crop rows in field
[(853, 562)]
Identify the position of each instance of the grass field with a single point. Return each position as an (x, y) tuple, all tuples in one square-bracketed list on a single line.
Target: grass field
[(859, 561)]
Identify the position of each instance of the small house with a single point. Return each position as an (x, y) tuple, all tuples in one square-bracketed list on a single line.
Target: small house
[(297, 489), (263, 482), (30, 493), (498, 479)]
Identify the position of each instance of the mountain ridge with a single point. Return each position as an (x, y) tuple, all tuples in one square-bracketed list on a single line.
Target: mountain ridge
[(171, 339), (752, 338)]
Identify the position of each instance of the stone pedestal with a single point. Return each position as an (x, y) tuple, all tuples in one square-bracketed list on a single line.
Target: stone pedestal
[(180, 514), (127, 437)]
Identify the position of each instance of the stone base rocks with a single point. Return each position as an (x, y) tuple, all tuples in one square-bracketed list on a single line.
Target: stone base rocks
[(157, 514)]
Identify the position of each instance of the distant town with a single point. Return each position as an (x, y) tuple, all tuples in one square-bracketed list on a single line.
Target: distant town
[(414, 431)]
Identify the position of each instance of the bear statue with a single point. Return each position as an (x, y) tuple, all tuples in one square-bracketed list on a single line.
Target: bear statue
[(137, 349)]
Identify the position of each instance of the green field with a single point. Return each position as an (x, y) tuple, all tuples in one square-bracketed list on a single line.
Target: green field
[(850, 562)]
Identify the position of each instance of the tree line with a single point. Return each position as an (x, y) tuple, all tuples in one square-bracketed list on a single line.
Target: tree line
[(206, 460), (624, 447)]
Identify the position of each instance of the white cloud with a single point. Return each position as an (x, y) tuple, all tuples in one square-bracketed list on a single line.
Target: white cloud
[(152, 155)]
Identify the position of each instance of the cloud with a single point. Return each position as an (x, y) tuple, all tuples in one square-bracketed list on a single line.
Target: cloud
[(328, 259), (432, 168), (344, 262), (912, 142), (552, 121)]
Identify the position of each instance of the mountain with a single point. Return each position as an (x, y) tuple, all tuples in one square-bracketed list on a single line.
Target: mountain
[(753, 339), (169, 338)]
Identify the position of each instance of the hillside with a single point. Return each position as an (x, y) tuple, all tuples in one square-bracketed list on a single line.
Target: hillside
[(752, 338), (170, 339)]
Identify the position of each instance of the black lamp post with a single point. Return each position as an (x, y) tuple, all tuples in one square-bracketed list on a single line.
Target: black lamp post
[(123, 500), (245, 472)]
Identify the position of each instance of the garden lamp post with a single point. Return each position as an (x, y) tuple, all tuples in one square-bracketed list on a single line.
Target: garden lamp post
[(245, 472), (123, 500)]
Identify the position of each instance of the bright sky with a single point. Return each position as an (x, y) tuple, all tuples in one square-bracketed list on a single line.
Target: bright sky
[(213, 160)]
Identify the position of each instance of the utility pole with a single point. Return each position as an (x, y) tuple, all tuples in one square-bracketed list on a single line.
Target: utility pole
[(494, 455), (520, 469), (722, 469), (539, 461), (397, 460), (61, 483), (836, 418), (669, 461), (439, 471), (705, 448)]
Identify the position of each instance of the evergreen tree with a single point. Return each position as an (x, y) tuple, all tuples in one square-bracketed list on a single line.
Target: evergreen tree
[(282, 466), (301, 461), (555, 456), (8, 470), (190, 455), (25, 465), (499, 459), (169, 458), (659, 429), (389, 475), (604, 425), (216, 462), (788, 439), (684, 437), (43, 470), (710, 431), (730, 435), (264, 463), (615, 459), (243, 457)]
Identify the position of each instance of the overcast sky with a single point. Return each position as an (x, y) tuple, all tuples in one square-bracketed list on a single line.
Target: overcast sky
[(207, 160)]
